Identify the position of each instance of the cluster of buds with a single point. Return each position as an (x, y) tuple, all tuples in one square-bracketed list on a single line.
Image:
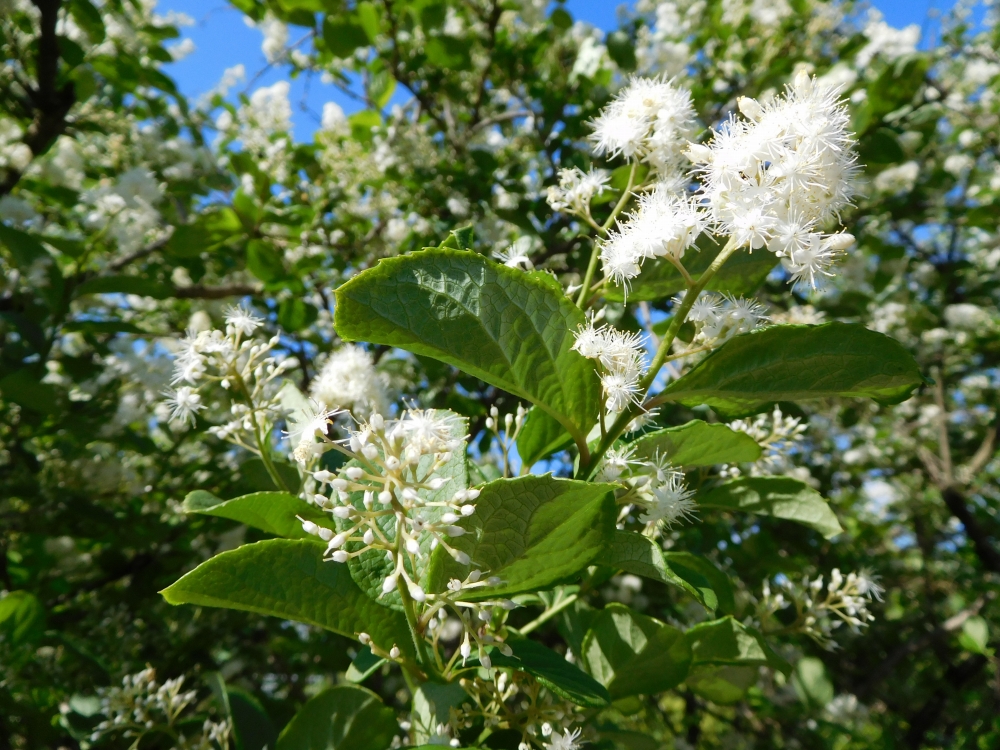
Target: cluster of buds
[(622, 360), (516, 701), (240, 364), (655, 487), (507, 436), (576, 189), (142, 704), (389, 498), (777, 434), (819, 609)]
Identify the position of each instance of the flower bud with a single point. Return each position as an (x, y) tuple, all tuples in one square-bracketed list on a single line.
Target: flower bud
[(389, 584), (369, 536), (343, 511), (412, 546), (472, 494), (416, 593), (460, 557), (339, 484), (323, 476), (324, 533), (485, 661), (394, 652), (750, 107), (468, 510), (354, 473), (370, 452), (337, 541), (340, 556), (364, 638), (385, 497), (454, 531), (449, 518), (436, 483), (377, 423), (309, 527)]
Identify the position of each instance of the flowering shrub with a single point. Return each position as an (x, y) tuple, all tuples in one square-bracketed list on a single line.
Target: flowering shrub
[(579, 389)]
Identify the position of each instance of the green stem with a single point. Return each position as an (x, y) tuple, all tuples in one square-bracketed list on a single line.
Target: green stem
[(549, 614), (411, 620), (263, 448), (596, 252), (679, 318)]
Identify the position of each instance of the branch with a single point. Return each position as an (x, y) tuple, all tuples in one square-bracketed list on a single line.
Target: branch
[(51, 104), (955, 500), (197, 291)]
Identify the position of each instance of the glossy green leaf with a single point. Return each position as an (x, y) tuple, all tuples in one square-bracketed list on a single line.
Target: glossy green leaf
[(511, 329), (726, 642), (789, 363), (432, 704), (345, 717), (695, 568), (23, 247), (780, 497), (364, 665), (540, 437), (22, 617), (24, 387), (697, 443), (553, 671), (252, 727), (812, 683), (288, 579), (641, 556), (530, 532), (273, 512), (721, 684), (741, 275), (631, 653)]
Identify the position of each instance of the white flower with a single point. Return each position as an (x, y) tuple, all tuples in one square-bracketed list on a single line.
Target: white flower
[(649, 119), (240, 320), (771, 179), (517, 255), (956, 164), (887, 42), (965, 316), (350, 381), (669, 500), (566, 741), (576, 189), (184, 403), (898, 179)]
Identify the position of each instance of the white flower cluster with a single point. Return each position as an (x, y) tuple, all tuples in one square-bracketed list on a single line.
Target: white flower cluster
[(664, 225), (392, 475), (126, 209), (649, 120), (349, 380), (241, 365), (576, 189), (819, 611), (655, 487), (719, 318), (772, 180), (622, 360), (142, 704), (778, 435)]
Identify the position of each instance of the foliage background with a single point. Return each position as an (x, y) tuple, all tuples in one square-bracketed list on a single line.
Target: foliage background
[(221, 207)]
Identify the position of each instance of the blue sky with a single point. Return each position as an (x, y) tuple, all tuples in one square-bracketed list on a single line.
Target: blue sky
[(222, 40)]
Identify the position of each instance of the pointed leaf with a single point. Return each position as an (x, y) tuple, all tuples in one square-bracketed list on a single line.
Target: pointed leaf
[(631, 653), (540, 437), (697, 443), (553, 671), (273, 512), (641, 556), (695, 568), (780, 497), (511, 329), (364, 665), (345, 717), (288, 579), (531, 532), (788, 363)]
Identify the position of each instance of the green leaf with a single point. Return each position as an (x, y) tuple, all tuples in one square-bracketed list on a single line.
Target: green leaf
[(448, 52), (272, 512), (726, 642), (531, 532), (121, 284), (88, 18), (641, 556), (24, 248), (102, 326), (345, 717), (695, 568), (432, 704), (697, 443), (511, 329), (975, 635), (343, 37), (540, 437), (881, 147), (364, 665), (723, 685), (621, 49), (553, 671), (780, 497), (288, 579), (811, 682), (742, 275), (24, 387), (631, 653), (209, 230), (788, 363), (368, 16), (263, 261), (252, 726), (294, 314), (22, 617)]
